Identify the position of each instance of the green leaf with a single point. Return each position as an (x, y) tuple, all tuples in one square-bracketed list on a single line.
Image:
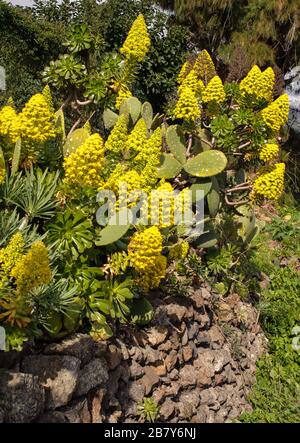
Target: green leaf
[(207, 240), (213, 198), (206, 164), (16, 157), (141, 311), (60, 123), (176, 142), (113, 232), (204, 186), (169, 166), (132, 107), (147, 114), (109, 118), (76, 139)]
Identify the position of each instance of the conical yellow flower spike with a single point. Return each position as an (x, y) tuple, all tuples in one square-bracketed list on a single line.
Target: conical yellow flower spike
[(249, 85), (266, 85), (116, 142), (185, 69), (269, 152), (36, 120), (270, 183), (191, 81), (144, 247), (204, 67), (137, 43), (187, 106), (33, 269), (123, 94), (259, 84), (153, 276), (83, 167), (277, 113), (214, 91), (11, 254), (48, 96), (9, 124), (138, 137), (144, 252)]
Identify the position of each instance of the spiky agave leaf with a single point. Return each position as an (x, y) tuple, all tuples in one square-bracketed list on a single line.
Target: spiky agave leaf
[(34, 193)]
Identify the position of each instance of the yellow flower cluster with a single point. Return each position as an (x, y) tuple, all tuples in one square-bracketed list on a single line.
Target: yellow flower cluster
[(147, 161), (9, 124), (266, 84), (137, 139), (277, 113), (144, 247), (137, 43), (123, 94), (127, 183), (83, 167), (183, 207), (11, 254), (214, 91), (116, 142), (204, 66), (2, 172), (185, 69), (270, 183), (249, 84), (153, 276), (144, 252), (112, 182), (36, 120), (257, 83), (48, 96), (187, 106), (191, 81), (33, 269), (161, 206), (179, 251), (268, 152)]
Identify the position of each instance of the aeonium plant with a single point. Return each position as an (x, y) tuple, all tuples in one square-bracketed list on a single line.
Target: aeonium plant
[(221, 142)]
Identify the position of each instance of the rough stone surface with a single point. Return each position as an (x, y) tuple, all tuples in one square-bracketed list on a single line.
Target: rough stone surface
[(22, 397), (58, 374), (92, 375), (80, 346), (194, 359)]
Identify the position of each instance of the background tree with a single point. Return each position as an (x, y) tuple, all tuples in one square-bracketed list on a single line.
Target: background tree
[(27, 44)]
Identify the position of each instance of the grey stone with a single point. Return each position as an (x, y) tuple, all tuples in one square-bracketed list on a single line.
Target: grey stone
[(221, 358), (22, 398), (78, 345), (136, 370), (201, 416), (58, 374), (136, 390), (93, 374), (114, 357), (167, 409), (188, 376), (78, 412), (191, 397), (152, 355), (208, 396), (157, 335), (150, 379), (53, 417)]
